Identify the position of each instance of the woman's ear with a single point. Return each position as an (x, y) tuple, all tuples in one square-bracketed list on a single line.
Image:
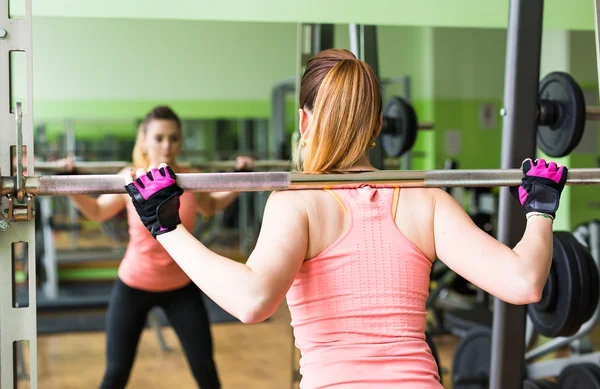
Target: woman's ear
[(304, 119)]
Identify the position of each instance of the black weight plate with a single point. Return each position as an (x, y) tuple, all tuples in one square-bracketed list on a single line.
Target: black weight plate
[(583, 281), (590, 287), (578, 376), (596, 370), (559, 320), (560, 138), (544, 384), (399, 131), (580, 282), (550, 293), (539, 384), (529, 384), (472, 360)]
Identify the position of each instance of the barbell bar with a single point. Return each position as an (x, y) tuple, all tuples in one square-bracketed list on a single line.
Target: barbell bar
[(269, 181), (97, 167)]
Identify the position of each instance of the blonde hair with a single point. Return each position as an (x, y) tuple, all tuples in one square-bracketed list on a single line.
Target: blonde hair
[(161, 112), (139, 156), (343, 93)]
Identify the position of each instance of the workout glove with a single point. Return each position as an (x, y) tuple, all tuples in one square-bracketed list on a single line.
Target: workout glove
[(155, 196), (541, 186)]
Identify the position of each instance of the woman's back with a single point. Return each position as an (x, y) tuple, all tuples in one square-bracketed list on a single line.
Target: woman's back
[(358, 303)]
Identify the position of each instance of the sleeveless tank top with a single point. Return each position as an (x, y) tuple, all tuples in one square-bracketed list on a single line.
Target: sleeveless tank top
[(358, 308), (146, 264)]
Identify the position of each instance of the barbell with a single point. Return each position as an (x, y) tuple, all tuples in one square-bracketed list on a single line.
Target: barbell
[(97, 167), (269, 181)]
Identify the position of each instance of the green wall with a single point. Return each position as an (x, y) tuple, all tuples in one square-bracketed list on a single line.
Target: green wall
[(572, 14), (469, 72), (110, 67)]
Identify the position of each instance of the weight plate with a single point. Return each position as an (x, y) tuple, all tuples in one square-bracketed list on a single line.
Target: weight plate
[(399, 129), (531, 385), (472, 359), (590, 286), (579, 376), (560, 138), (528, 384), (544, 384), (596, 370), (549, 294), (558, 320), (582, 282), (539, 384)]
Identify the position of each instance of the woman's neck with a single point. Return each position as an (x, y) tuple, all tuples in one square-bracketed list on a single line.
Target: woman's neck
[(363, 165)]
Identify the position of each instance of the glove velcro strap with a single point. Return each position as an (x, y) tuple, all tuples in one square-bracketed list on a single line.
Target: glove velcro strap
[(541, 198)]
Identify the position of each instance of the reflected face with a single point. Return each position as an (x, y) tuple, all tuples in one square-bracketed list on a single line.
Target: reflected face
[(162, 141)]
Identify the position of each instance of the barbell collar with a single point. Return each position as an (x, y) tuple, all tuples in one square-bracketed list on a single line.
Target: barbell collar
[(269, 181)]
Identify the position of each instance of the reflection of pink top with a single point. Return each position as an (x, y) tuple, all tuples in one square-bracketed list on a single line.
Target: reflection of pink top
[(358, 308), (146, 264)]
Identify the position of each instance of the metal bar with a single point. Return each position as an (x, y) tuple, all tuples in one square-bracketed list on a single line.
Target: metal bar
[(426, 125), (322, 37), (279, 93), (244, 229), (366, 49), (523, 50), (115, 166), (597, 32), (71, 148), (49, 257), (353, 30), (552, 368), (592, 112), (19, 151), (267, 181)]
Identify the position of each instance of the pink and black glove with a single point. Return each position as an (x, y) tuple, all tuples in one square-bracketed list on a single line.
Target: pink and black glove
[(155, 196), (541, 186)]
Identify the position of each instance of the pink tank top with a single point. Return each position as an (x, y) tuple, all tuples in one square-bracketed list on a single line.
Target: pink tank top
[(146, 264), (358, 308)]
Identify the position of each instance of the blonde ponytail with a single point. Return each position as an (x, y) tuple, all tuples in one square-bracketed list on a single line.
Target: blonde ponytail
[(347, 110)]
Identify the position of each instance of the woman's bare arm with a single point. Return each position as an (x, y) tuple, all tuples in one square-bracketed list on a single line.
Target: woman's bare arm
[(103, 207), (516, 275)]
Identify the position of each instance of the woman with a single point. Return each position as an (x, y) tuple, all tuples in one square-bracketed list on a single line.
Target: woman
[(354, 260), (148, 276)]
